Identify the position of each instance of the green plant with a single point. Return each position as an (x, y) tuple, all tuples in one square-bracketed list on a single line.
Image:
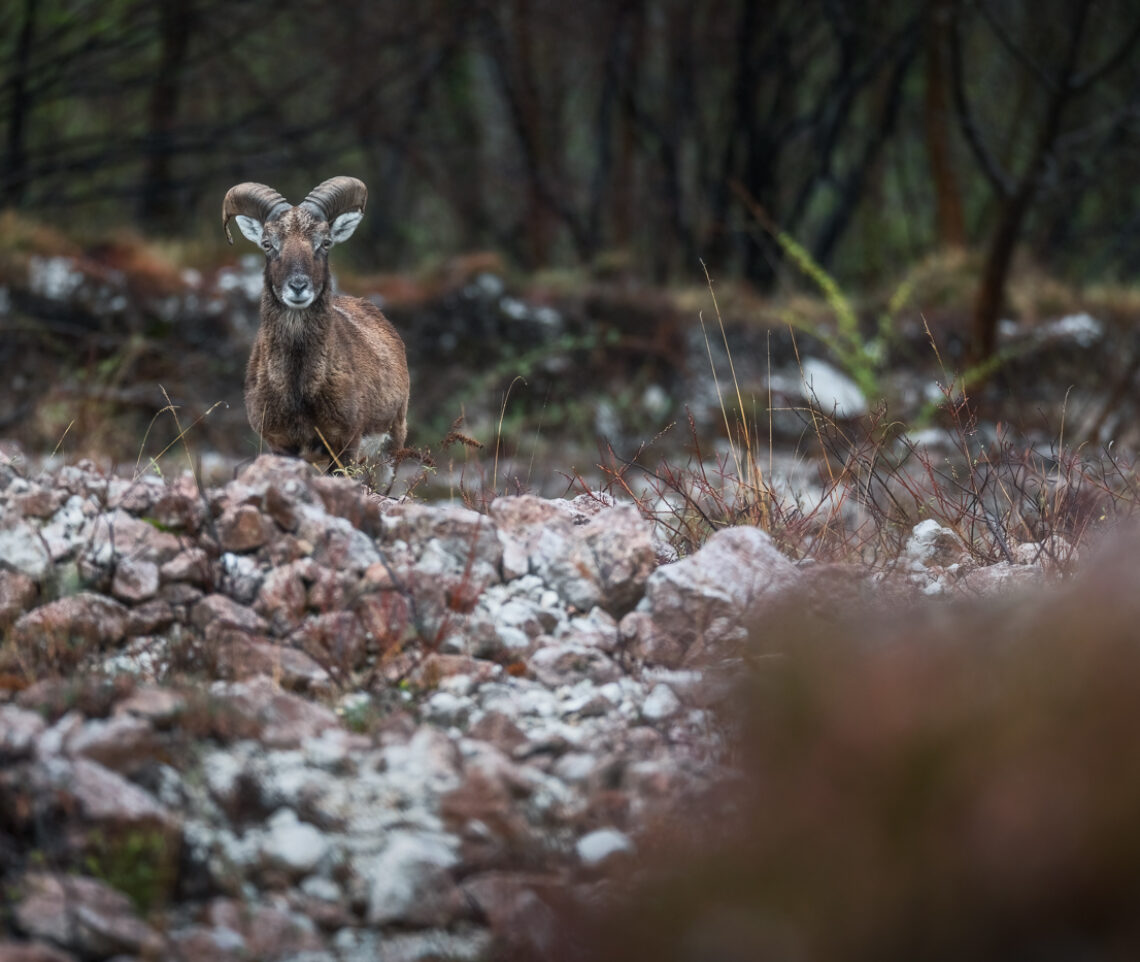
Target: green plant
[(141, 863)]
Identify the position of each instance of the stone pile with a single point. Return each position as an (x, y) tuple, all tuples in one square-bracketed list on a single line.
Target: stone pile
[(286, 718), (289, 719)]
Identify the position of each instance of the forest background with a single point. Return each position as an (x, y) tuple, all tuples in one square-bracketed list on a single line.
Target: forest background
[(653, 132)]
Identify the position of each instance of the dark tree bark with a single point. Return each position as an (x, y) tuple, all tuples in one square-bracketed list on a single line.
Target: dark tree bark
[(158, 204), (949, 218), (851, 187), (19, 107)]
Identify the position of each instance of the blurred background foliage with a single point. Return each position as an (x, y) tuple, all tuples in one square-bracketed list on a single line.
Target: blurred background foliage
[(644, 135)]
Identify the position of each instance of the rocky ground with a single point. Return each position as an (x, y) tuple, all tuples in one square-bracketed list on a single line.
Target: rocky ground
[(287, 718)]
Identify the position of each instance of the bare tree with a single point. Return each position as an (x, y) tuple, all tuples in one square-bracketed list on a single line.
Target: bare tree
[(1063, 80)]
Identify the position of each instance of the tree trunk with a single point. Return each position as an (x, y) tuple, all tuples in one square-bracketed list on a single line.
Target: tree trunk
[(16, 161), (158, 205), (991, 289), (950, 222)]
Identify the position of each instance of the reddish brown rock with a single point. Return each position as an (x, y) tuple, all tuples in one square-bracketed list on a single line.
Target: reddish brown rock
[(32, 952), (123, 743), (62, 632), (135, 580), (272, 934), (248, 657), (484, 811), (181, 508), (119, 535), (350, 500), (285, 720), (284, 594), (136, 496), (149, 617), (191, 566), (499, 730), (17, 594), (269, 469), (242, 528), (39, 502), (103, 797), (336, 639), (435, 667), (218, 611), (518, 907), (385, 617), (280, 507), (330, 590), (85, 915), (265, 933), (158, 706)]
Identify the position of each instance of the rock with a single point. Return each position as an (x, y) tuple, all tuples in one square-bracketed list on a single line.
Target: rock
[(601, 845), (22, 547), (103, 797), (244, 657), (117, 535), (135, 580), (350, 500), (999, 579), (408, 881), (519, 915), (284, 594), (446, 540), (604, 560), (135, 496), (241, 577), (932, 544), (465, 945), (563, 664), (336, 639), (219, 611), (32, 952), (19, 729), (241, 528), (180, 508), (293, 845), (292, 475), (1051, 554), (272, 934), (284, 720), (497, 729), (830, 390), (446, 708), (17, 594), (149, 617), (62, 632), (160, 707), (700, 606), (661, 704), (191, 566), (84, 915), (336, 543), (122, 743)]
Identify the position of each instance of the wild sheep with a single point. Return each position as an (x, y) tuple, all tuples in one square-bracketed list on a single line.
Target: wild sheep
[(325, 370)]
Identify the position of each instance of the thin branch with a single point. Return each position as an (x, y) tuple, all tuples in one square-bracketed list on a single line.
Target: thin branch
[(1082, 81)]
